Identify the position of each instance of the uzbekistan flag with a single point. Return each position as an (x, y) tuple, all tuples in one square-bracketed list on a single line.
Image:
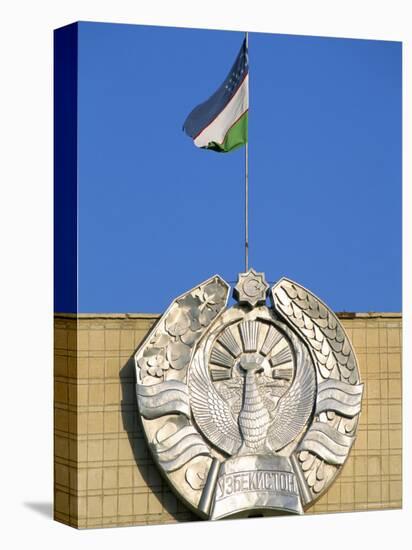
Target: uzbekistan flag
[(221, 122)]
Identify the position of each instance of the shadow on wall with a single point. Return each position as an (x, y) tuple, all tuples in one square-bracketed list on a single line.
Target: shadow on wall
[(42, 508), (146, 466)]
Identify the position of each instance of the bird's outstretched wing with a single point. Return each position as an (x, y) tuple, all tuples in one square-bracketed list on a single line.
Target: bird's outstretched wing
[(232, 393), (270, 392), (295, 407), (211, 412)]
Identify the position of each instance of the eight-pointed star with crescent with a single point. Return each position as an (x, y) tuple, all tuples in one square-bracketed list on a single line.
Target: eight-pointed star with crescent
[(251, 288)]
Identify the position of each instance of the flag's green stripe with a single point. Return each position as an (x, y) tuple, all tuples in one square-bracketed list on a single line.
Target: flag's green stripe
[(236, 137)]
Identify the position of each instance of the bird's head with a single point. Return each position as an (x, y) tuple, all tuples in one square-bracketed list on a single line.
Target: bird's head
[(251, 362)]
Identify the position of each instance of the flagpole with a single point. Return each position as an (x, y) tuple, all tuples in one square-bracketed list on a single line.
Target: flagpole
[(247, 183)]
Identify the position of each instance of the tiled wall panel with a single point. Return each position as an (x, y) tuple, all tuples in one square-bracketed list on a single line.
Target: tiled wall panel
[(104, 475)]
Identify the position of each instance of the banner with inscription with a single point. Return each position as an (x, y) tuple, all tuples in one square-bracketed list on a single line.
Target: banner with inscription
[(258, 483)]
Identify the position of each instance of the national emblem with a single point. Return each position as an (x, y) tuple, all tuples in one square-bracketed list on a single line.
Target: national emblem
[(248, 409)]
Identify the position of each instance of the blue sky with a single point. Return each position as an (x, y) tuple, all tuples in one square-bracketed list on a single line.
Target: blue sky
[(157, 216)]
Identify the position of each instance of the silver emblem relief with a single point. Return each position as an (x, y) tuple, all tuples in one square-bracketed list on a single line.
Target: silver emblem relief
[(252, 408)]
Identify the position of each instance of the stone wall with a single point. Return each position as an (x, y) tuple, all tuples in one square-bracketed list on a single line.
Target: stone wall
[(104, 475)]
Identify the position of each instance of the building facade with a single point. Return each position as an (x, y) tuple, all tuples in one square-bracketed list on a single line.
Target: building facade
[(104, 475)]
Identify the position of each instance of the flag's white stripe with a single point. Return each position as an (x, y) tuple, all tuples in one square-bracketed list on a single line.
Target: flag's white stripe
[(217, 129)]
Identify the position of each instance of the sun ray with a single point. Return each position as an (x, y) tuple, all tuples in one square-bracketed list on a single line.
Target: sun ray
[(249, 333), (228, 340), (281, 357), (273, 337), (220, 356), (219, 374)]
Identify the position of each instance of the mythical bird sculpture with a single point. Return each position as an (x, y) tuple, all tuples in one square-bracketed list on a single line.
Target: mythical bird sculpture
[(259, 426)]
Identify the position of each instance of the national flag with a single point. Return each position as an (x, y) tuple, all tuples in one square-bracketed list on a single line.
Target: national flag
[(221, 122)]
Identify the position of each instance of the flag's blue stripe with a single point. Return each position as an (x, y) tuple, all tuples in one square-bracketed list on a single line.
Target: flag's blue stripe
[(206, 112)]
